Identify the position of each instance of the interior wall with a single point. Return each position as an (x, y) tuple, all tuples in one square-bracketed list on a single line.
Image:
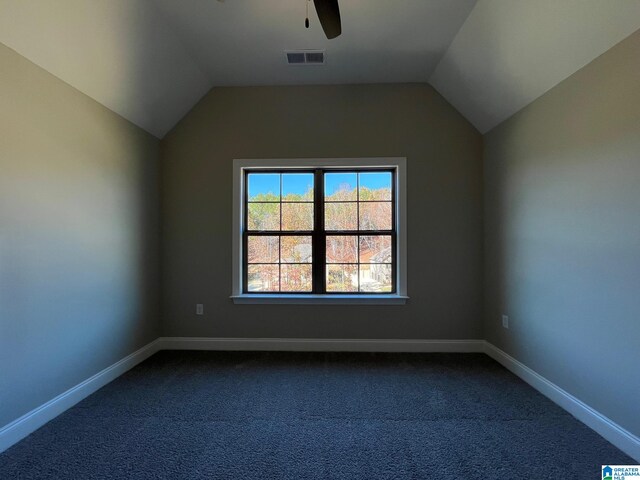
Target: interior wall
[(78, 237), (562, 210), (444, 207)]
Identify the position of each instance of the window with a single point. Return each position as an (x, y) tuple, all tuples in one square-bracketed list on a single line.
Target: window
[(316, 231)]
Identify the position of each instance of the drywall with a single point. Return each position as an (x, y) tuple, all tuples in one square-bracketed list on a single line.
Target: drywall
[(562, 210), (444, 207), (124, 54), (510, 52), (78, 237)]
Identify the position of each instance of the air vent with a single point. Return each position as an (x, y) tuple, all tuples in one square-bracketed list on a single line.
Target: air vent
[(294, 58), (314, 57), (305, 57)]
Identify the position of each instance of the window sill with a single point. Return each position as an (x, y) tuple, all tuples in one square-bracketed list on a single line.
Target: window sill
[(320, 299)]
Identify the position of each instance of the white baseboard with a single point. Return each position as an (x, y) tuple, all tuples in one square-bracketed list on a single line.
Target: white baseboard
[(15, 431), (614, 433), (320, 345)]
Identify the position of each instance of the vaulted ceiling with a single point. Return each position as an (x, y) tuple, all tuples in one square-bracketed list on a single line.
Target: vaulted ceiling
[(152, 60)]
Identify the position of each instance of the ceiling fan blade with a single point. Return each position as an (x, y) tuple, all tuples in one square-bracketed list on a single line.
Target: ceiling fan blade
[(329, 15)]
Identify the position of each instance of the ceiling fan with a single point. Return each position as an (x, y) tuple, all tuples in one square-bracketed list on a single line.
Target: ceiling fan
[(329, 15)]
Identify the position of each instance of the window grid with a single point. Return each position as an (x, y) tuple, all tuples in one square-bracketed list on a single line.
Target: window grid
[(318, 235), (358, 225)]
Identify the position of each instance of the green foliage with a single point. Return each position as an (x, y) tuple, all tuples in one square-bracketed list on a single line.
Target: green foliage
[(266, 212), (367, 194), (296, 197), (265, 197), (264, 216)]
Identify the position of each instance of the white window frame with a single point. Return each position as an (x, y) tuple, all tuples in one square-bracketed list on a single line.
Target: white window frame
[(399, 164)]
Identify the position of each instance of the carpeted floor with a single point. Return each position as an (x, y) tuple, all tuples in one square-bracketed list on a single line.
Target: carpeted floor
[(235, 415)]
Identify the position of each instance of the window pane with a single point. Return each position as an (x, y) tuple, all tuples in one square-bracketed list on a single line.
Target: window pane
[(263, 249), (297, 187), (340, 187), (342, 249), (297, 216), (264, 216), (375, 278), (357, 225), (264, 187), (342, 278), (262, 278), (375, 186), (375, 249), (375, 216), (341, 216), (296, 249), (295, 278)]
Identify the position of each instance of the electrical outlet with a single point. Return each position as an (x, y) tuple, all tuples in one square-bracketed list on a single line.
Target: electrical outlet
[(505, 321), (199, 309)]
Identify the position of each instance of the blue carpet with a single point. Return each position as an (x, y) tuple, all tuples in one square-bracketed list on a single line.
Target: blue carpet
[(237, 415)]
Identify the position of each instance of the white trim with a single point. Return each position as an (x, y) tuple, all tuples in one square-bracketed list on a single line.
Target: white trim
[(614, 433), (237, 227), (398, 163), (15, 431), (320, 344), (248, 298), (28, 423)]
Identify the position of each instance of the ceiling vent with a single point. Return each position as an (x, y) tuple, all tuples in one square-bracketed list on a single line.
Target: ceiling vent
[(305, 57)]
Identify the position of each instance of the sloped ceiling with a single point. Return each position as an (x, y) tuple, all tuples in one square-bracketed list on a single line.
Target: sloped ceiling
[(152, 60), (509, 52), (121, 53), (242, 42)]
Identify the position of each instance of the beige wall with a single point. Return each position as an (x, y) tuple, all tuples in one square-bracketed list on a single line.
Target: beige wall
[(78, 237), (562, 210), (444, 207), (79, 225)]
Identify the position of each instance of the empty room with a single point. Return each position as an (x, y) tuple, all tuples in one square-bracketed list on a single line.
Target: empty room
[(319, 239)]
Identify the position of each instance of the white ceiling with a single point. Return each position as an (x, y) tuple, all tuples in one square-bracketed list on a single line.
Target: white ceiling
[(509, 52), (152, 60), (121, 53), (242, 42)]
